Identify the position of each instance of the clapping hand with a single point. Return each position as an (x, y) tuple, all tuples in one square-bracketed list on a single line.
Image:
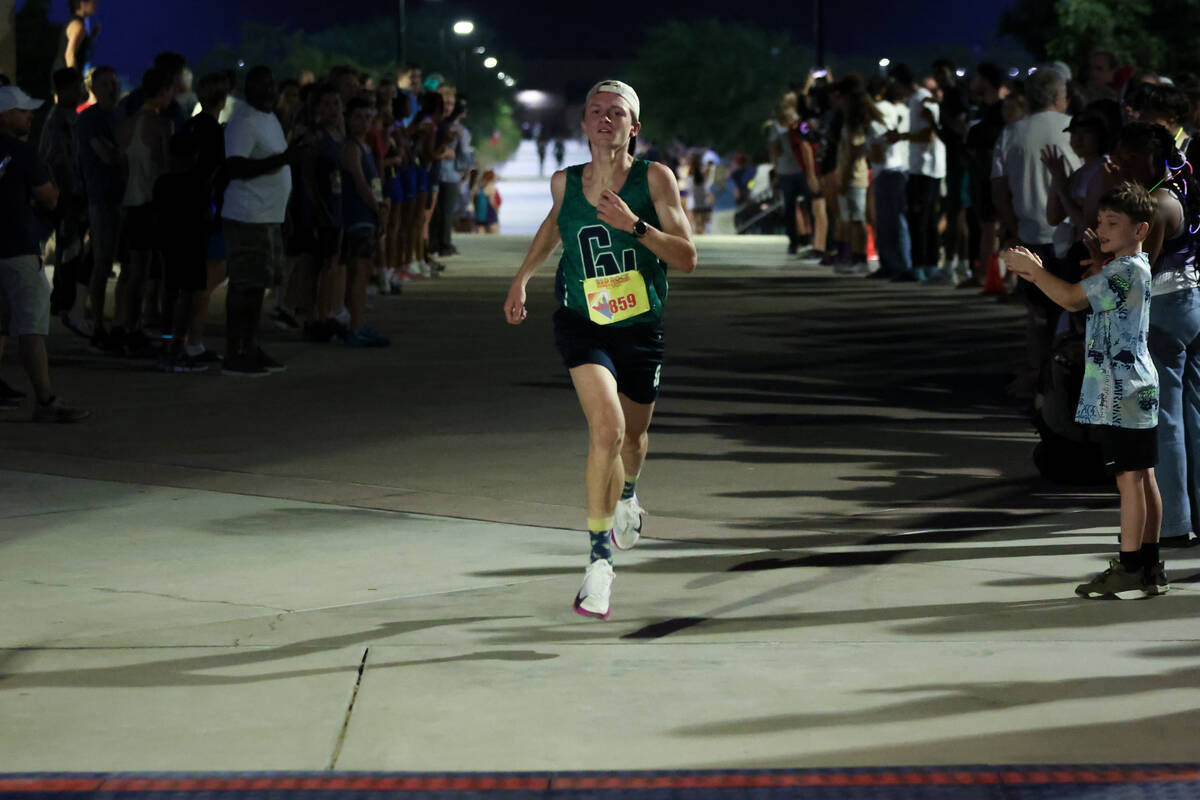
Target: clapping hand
[(1091, 240), (1052, 157), (1023, 262)]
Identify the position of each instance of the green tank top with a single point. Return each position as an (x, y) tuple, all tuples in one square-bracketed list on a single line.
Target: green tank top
[(592, 249)]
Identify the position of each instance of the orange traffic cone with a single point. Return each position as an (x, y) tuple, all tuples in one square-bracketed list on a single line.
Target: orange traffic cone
[(993, 282)]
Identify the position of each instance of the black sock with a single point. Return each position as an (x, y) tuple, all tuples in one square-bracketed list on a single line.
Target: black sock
[(1132, 561), (1150, 554)]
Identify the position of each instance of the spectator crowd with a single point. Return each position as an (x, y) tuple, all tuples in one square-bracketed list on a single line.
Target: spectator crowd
[(946, 173), (315, 191)]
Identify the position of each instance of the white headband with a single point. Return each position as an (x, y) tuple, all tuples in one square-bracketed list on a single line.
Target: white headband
[(618, 88)]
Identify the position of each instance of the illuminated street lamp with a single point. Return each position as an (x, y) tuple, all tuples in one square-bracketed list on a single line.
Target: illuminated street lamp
[(884, 63), (501, 75), (464, 27), (510, 81), (490, 62), (480, 51)]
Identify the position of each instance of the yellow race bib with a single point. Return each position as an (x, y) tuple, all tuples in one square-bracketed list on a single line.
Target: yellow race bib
[(612, 298)]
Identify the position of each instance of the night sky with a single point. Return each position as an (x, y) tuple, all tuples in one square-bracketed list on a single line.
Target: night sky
[(136, 29)]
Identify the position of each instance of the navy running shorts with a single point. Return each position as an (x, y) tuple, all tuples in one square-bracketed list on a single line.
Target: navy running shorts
[(632, 353)]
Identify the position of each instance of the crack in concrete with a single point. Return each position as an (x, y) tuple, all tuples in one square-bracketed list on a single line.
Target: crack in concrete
[(181, 598)]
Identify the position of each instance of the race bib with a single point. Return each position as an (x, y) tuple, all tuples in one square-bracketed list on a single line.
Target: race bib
[(377, 189), (612, 298)]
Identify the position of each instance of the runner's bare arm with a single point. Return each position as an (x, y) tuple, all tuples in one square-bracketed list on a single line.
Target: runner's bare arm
[(543, 244), (673, 244)]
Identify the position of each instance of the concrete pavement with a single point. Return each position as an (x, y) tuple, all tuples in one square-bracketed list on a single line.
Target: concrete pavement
[(367, 562)]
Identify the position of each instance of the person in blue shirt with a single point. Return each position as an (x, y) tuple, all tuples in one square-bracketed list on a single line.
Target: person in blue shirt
[(1119, 397)]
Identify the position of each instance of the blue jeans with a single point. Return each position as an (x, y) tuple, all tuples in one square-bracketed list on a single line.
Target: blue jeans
[(891, 222), (1175, 348)]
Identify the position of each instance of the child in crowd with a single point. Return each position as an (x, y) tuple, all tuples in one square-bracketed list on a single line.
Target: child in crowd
[(487, 204), (183, 214), (1119, 398)]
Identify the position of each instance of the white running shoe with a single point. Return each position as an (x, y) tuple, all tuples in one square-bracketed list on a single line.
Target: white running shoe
[(594, 598), (627, 523)]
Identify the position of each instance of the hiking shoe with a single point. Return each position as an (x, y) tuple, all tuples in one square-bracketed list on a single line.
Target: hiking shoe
[(1113, 582), (627, 523), (268, 363), (284, 321), (58, 411), (594, 598), (244, 366), (1155, 580)]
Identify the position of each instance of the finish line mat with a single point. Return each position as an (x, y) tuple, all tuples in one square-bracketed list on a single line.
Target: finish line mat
[(1130, 782)]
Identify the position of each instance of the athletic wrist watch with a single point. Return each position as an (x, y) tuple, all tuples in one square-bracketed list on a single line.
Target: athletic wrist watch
[(639, 228)]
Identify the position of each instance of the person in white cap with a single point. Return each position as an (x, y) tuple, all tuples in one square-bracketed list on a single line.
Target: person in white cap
[(24, 291), (621, 224)]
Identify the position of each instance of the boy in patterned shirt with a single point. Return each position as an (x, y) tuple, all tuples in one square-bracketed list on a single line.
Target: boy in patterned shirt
[(1119, 397)]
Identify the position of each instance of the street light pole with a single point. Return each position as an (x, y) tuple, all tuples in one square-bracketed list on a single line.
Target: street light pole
[(819, 24), (401, 35)]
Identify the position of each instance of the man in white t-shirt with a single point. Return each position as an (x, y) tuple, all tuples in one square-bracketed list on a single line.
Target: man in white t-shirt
[(1021, 190), (926, 169), (256, 158), (889, 166)]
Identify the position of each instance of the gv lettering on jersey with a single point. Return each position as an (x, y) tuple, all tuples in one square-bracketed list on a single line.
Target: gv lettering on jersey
[(597, 257)]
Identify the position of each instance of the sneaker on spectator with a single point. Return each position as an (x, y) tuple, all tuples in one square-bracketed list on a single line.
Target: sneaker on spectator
[(244, 366), (283, 320), (858, 269), (938, 277), (449, 252), (379, 339), (1114, 582), (268, 363), (58, 411), (360, 339), (180, 363), (1155, 580)]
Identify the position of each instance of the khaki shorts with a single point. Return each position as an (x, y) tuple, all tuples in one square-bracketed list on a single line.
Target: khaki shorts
[(24, 297), (255, 258)]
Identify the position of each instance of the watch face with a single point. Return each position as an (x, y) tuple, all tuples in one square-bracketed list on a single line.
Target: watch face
[(639, 228)]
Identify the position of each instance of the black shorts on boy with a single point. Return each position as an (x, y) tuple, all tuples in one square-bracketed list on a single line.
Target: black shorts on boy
[(1126, 449), (632, 353)]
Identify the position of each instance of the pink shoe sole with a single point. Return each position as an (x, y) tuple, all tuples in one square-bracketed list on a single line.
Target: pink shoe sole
[(583, 612)]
